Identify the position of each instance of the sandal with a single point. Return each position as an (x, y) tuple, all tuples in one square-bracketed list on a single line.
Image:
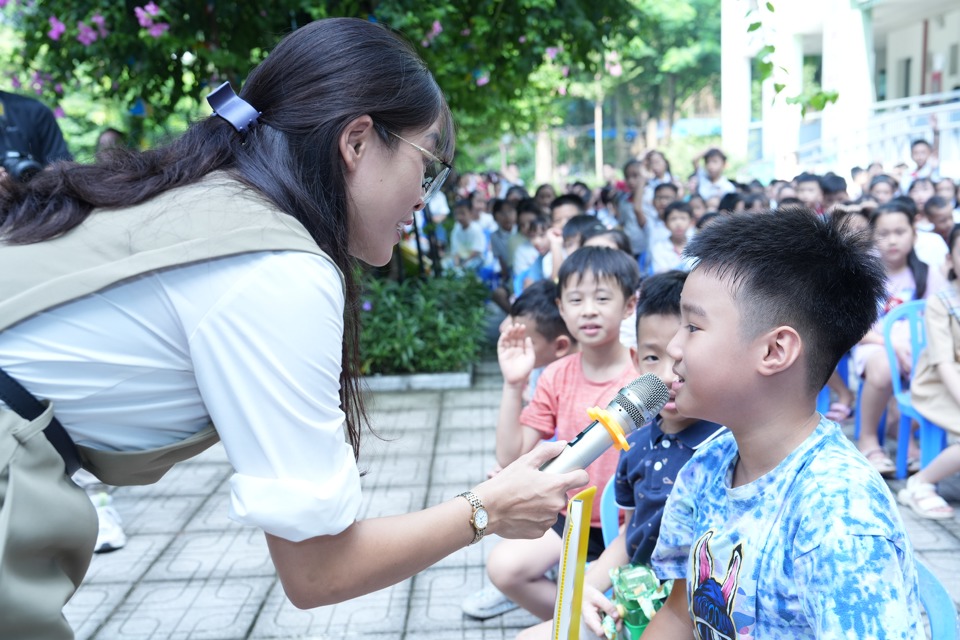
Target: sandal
[(923, 498), (838, 412), (880, 461)]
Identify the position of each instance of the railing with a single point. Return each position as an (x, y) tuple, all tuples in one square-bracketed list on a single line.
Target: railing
[(886, 137)]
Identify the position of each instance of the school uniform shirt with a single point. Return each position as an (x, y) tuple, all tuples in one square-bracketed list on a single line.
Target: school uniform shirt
[(665, 257), (464, 242), (500, 243), (815, 548), (927, 390), (708, 188), (931, 248), (646, 474)]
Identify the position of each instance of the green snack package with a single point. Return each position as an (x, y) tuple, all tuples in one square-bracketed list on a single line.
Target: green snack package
[(638, 595)]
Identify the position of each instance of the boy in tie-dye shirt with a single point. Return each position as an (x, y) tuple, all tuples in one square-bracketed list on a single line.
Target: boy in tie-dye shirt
[(779, 528)]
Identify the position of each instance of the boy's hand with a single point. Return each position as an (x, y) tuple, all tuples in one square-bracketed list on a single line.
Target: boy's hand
[(515, 355), (555, 236), (595, 606)]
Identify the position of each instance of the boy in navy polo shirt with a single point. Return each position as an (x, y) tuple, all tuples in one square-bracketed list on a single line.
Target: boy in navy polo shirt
[(657, 451)]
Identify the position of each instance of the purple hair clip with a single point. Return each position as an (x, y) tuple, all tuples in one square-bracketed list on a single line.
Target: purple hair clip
[(232, 108)]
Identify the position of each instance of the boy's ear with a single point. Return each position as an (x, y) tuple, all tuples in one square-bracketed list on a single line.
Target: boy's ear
[(780, 350), (630, 306), (562, 346), (355, 140)]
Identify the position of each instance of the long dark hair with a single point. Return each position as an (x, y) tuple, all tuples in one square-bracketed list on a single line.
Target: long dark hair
[(315, 82)]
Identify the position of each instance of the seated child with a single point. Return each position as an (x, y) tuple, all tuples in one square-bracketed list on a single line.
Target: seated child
[(505, 213), (597, 290), (778, 528), (563, 209), (468, 242), (579, 227), (535, 315), (658, 450), (667, 253), (612, 238), (535, 320), (528, 257), (935, 391)]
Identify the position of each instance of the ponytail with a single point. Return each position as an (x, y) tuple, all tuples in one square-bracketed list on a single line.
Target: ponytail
[(919, 269)]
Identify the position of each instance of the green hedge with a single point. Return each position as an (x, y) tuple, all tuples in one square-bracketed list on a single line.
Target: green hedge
[(423, 325)]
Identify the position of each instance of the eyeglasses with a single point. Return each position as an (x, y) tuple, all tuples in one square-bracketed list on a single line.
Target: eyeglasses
[(434, 174)]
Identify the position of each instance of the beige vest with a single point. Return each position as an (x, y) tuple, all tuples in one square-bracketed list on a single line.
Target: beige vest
[(213, 218)]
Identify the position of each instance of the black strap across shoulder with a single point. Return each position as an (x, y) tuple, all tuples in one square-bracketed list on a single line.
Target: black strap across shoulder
[(28, 407)]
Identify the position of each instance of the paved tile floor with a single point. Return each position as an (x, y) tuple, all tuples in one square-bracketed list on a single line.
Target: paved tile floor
[(188, 572)]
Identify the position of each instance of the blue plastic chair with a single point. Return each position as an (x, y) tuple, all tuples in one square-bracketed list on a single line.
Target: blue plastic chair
[(645, 262), (933, 439), (609, 513), (936, 601), (823, 398)]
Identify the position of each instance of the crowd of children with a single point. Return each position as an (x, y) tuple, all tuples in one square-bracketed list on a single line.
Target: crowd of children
[(772, 524)]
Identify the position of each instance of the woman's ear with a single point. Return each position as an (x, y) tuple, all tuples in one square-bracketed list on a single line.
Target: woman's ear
[(355, 140)]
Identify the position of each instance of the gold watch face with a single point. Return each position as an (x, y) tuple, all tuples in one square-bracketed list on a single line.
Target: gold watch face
[(480, 518)]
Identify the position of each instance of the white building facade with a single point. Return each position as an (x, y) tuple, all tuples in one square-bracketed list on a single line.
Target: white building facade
[(893, 64)]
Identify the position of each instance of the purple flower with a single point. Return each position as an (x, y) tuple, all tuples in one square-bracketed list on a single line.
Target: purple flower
[(15, 82), (56, 28), (552, 52), (437, 29), (142, 17), (58, 89), (152, 8), (58, 112), (87, 35), (4, 3), (367, 305), (482, 80), (99, 20), (522, 39), (158, 29)]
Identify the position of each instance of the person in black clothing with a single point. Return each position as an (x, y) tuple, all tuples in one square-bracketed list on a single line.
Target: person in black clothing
[(28, 127)]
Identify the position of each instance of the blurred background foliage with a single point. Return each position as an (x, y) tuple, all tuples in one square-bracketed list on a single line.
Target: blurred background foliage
[(509, 68)]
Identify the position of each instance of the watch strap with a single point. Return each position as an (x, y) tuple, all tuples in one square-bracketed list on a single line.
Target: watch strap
[(476, 504)]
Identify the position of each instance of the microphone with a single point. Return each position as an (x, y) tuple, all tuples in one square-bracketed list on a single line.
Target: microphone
[(635, 405)]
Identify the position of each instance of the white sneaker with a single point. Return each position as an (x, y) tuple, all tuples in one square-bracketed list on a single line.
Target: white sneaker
[(110, 536), (487, 603)]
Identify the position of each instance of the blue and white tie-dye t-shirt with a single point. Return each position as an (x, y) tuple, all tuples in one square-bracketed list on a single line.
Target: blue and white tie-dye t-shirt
[(813, 549)]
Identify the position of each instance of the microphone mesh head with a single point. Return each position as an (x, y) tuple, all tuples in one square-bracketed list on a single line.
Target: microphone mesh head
[(652, 395)]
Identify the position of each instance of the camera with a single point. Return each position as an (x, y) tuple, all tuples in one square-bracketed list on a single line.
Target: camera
[(19, 166)]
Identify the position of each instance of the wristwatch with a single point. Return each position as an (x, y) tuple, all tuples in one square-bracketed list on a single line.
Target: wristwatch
[(479, 519)]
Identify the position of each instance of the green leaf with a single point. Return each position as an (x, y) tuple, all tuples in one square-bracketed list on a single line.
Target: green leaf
[(778, 87), (754, 26), (770, 7)]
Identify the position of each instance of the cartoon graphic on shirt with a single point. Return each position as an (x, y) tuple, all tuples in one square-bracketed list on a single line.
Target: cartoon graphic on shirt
[(712, 603)]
